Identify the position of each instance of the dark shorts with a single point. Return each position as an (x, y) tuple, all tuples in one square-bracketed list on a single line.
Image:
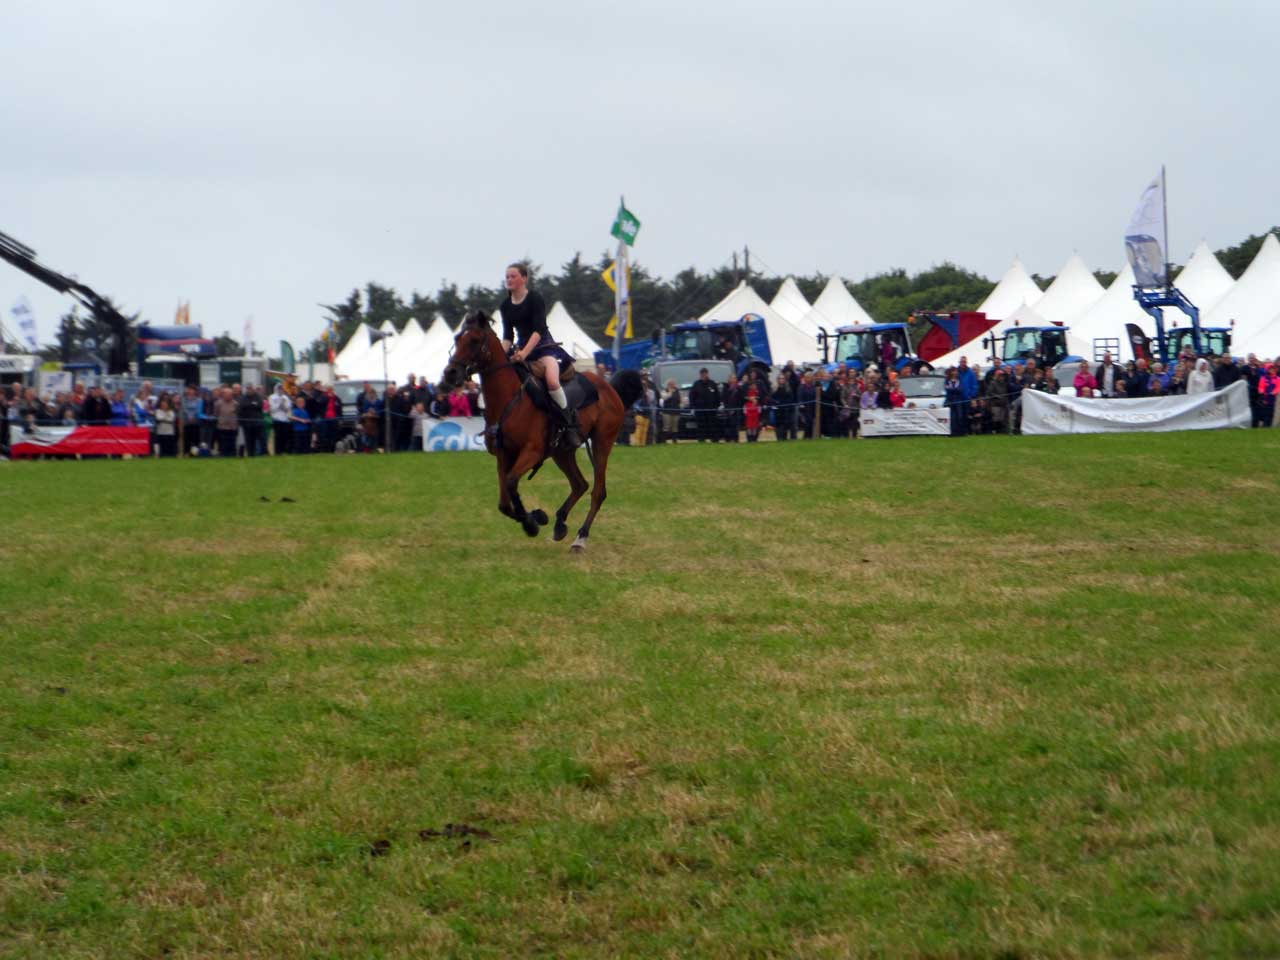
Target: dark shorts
[(551, 350)]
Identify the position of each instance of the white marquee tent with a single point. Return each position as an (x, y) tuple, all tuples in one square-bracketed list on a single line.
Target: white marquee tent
[(1252, 303), (566, 332), (789, 303), (1073, 291), (835, 307), (1015, 289), (786, 341), (1204, 281), (349, 355), (402, 350)]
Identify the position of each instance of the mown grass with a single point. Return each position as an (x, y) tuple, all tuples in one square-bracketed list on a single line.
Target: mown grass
[(1002, 697)]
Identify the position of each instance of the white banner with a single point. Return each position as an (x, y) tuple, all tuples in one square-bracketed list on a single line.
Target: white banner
[(1044, 413), (920, 422), (453, 435)]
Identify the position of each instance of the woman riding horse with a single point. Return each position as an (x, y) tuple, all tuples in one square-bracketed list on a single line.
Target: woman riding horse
[(516, 429), (525, 312)]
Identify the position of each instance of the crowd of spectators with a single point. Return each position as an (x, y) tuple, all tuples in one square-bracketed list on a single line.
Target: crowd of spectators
[(235, 420), (248, 421)]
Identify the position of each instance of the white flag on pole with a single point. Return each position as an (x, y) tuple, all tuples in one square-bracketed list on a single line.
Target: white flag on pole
[(1143, 239), (248, 336), (25, 317)]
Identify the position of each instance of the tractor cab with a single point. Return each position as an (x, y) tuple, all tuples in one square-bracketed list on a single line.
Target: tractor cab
[(1047, 346), (709, 341), (858, 347), (1214, 341)]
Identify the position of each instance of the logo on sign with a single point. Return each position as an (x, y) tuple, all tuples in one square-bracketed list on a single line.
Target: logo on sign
[(448, 436)]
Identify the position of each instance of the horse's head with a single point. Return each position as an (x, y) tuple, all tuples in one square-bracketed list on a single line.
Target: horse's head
[(472, 350)]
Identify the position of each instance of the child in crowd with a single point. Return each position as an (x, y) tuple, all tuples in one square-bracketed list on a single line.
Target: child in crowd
[(751, 415)]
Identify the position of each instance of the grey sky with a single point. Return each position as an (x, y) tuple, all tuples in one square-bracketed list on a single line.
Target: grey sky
[(258, 158)]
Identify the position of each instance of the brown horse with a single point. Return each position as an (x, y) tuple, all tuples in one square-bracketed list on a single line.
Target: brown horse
[(519, 434)]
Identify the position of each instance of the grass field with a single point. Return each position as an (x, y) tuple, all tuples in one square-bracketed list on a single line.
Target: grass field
[(1002, 697)]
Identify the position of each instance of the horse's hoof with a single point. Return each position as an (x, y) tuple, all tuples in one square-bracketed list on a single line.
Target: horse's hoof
[(530, 525), (540, 517), (579, 546), (562, 531)]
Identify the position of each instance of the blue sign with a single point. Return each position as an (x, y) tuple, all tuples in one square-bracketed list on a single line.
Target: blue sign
[(457, 434)]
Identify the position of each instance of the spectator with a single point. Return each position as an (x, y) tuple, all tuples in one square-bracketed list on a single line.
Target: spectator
[(704, 397), (280, 406), (440, 405), (249, 413), (1105, 376), (751, 415), (96, 411), (301, 421), (140, 409), (1268, 391), (1086, 383), (784, 408), (954, 393), (671, 412), (330, 413), (1200, 379), (225, 412), (458, 405), (734, 398), (418, 415), (1225, 372), (166, 420), (998, 400), (1138, 384), (119, 409), (402, 417), (896, 397), (474, 398)]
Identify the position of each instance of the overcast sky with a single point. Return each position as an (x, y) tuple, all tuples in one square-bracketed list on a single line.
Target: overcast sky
[(261, 158)]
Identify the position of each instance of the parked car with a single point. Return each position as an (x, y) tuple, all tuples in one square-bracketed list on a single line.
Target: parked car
[(926, 390)]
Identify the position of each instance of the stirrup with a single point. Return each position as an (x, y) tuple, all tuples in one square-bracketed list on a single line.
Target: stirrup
[(569, 434)]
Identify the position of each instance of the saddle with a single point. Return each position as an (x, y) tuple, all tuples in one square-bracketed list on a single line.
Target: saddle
[(579, 391)]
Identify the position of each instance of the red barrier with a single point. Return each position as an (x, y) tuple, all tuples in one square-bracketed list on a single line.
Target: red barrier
[(86, 441)]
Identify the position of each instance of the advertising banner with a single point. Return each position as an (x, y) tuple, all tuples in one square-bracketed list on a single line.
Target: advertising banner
[(87, 441), (1049, 414), (453, 435), (920, 422)]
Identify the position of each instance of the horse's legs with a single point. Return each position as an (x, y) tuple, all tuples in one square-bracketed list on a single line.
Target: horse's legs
[(567, 461), (505, 506), (526, 460), (603, 445)]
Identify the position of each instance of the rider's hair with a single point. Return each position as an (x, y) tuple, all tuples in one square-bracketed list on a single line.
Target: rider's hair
[(522, 267)]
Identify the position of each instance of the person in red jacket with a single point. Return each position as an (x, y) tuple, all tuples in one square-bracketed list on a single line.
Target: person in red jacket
[(896, 396), (751, 415), (1268, 392)]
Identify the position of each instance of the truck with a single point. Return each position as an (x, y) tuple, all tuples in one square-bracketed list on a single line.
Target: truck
[(743, 342), (860, 345)]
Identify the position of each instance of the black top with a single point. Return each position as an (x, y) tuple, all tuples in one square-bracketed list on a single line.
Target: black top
[(527, 317)]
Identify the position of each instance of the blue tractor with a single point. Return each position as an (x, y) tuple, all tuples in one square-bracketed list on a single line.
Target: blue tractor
[(862, 345), (1202, 341), (742, 342)]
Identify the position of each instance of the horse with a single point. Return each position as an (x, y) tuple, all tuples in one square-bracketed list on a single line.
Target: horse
[(519, 434)]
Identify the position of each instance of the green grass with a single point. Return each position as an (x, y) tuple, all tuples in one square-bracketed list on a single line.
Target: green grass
[(1001, 697)]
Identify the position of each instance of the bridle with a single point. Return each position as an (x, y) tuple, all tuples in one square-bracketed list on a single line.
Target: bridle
[(481, 364)]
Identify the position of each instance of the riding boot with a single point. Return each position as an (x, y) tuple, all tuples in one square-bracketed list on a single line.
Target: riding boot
[(569, 428)]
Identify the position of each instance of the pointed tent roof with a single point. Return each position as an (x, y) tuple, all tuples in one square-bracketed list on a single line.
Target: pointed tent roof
[(436, 347), (1073, 291), (1253, 301), (349, 356), (1021, 316), (387, 327), (1013, 290), (1107, 317), (1204, 280), (835, 307), (1266, 341), (566, 332), (786, 341), (789, 303), (403, 351)]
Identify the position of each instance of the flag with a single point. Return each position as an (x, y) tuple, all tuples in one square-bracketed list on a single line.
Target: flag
[(26, 320), (1146, 233), (248, 336), (287, 361), (183, 315), (625, 225)]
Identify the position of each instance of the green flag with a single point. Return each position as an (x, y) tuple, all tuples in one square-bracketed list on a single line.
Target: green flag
[(286, 357), (625, 226)]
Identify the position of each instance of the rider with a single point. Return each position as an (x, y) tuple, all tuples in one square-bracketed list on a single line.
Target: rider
[(525, 312)]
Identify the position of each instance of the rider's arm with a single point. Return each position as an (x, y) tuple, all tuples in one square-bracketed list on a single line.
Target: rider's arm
[(534, 339)]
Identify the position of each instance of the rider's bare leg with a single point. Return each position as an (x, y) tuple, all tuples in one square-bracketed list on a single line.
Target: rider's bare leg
[(551, 372)]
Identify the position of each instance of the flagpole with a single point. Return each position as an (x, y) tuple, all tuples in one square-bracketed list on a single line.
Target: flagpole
[(1164, 199), (619, 278)]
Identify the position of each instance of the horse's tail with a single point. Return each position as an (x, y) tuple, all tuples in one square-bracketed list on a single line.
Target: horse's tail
[(628, 385)]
